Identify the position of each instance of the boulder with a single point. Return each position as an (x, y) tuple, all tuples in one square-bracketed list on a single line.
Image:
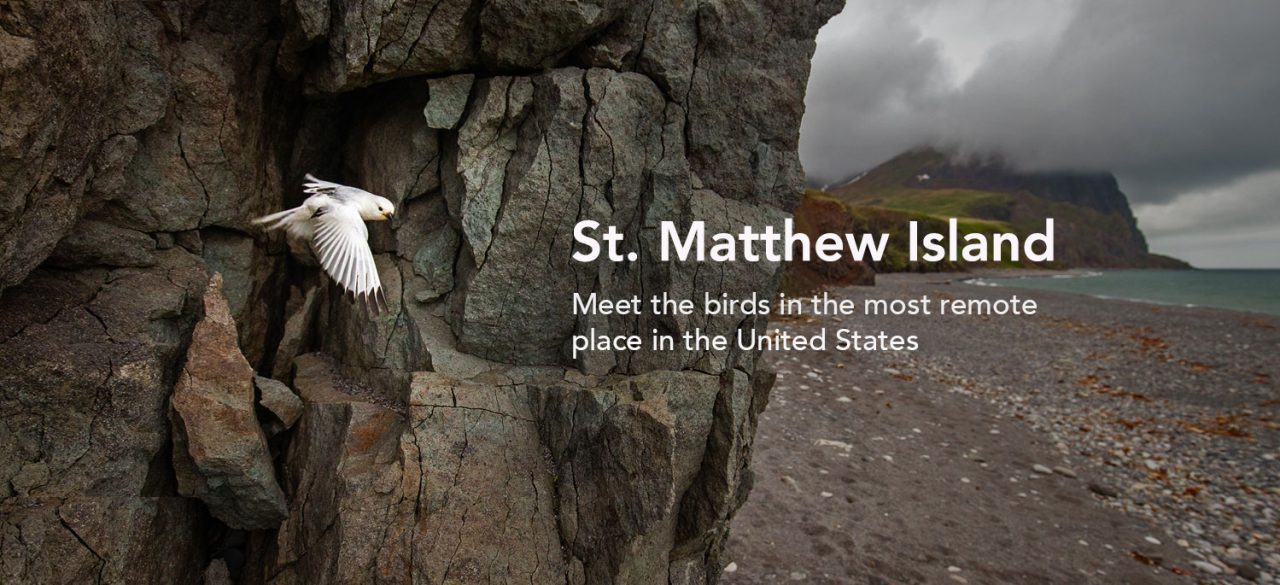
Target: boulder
[(279, 400), (219, 452)]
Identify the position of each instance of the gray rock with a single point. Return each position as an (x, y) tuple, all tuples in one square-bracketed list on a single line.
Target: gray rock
[(249, 278), (1207, 567), (190, 241), (367, 42), (97, 243), (90, 358), (164, 240), (355, 486), (433, 262), (745, 148), (205, 161), (102, 539), (219, 452), (401, 491), (486, 142), (531, 34), (56, 132), (297, 332), (29, 477), (217, 573), (428, 239), (662, 412), (515, 217), (394, 152), (447, 100), (379, 350), (230, 254), (1103, 490), (276, 397)]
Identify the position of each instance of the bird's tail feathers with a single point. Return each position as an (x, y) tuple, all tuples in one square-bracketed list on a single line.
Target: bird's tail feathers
[(280, 218)]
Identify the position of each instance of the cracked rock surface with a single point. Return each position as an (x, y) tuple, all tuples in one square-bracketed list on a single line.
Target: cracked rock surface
[(454, 438), (219, 451)]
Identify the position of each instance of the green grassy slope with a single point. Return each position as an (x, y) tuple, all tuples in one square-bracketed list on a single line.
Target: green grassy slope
[(894, 220), (901, 190)]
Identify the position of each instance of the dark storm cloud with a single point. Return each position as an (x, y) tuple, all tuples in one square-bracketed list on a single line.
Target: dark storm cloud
[(1179, 98), (1237, 224), (872, 81), (1170, 95)]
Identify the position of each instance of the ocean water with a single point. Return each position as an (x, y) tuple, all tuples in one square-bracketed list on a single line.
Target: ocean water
[(1256, 291)]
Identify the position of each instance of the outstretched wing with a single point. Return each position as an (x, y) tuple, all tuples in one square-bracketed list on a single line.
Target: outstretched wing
[(314, 186), (342, 243), (338, 191)]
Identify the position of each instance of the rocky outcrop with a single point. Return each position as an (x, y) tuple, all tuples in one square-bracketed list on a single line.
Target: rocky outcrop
[(528, 474), (346, 479), (285, 406), (86, 490), (1094, 226), (817, 215), (453, 436), (219, 452)]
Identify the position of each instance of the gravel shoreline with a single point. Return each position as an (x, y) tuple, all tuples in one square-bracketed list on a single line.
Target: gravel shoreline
[(1157, 425)]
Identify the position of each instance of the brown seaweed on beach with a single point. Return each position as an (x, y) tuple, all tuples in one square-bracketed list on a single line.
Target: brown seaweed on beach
[(1223, 425)]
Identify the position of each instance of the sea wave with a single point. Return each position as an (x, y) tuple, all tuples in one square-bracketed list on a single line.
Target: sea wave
[(1255, 291), (1143, 301), (1086, 274)]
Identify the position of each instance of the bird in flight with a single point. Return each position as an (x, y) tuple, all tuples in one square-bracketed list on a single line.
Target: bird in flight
[(332, 221)]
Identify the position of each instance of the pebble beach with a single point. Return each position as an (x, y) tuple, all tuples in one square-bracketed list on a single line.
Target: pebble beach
[(1096, 441)]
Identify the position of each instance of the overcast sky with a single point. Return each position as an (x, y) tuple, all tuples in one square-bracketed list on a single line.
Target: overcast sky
[(1179, 98)]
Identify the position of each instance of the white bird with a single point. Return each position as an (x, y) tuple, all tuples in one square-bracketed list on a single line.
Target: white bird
[(332, 221)]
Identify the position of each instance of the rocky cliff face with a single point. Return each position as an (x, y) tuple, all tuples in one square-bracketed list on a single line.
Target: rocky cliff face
[(1095, 227), (452, 440)]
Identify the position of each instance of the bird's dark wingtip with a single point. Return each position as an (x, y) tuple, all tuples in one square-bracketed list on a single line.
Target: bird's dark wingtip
[(374, 300)]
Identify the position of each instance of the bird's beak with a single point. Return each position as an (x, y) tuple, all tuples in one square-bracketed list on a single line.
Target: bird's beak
[(388, 215)]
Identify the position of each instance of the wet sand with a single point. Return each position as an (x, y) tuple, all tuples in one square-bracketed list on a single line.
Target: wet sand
[(1098, 441)]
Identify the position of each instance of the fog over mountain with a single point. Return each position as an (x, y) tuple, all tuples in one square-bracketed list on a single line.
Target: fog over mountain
[(1176, 97)]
